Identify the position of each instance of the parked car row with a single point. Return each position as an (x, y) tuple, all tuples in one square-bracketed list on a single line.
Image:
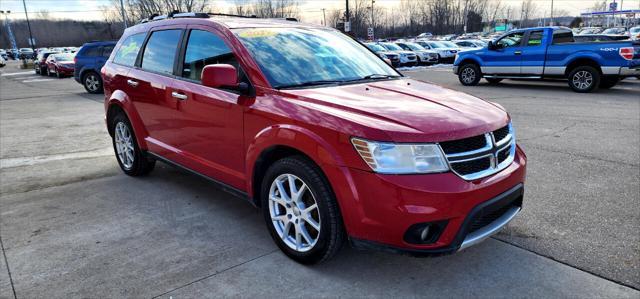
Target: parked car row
[(83, 64), (29, 53)]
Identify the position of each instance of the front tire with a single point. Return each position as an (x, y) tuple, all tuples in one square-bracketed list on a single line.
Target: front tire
[(131, 159), (584, 79), (58, 74), (92, 83), (469, 74), (301, 211)]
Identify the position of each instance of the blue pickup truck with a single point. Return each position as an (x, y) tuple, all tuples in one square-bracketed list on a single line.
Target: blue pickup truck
[(550, 52)]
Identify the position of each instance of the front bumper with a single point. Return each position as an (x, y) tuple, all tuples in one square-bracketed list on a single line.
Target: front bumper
[(464, 239), (455, 69), (379, 209)]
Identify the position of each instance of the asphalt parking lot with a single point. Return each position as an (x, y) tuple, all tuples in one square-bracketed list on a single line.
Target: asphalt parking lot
[(72, 225)]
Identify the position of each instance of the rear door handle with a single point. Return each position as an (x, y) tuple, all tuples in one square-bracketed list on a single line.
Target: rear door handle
[(178, 95), (132, 83), (517, 53)]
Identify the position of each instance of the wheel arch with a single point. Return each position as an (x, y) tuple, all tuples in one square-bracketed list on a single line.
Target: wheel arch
[(119, 102), (582, 61), (280, 141)]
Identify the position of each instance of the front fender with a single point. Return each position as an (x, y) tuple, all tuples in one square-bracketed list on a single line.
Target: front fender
[(119, 98), (321, 152), (296, 137)]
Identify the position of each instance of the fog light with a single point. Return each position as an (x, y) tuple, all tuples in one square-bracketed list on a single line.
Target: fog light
[(424, 233)]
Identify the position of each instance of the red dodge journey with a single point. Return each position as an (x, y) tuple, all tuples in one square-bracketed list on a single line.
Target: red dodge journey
[(328, 140)]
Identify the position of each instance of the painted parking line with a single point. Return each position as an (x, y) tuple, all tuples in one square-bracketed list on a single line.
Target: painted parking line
[(16, 74), (26, 78), (37, 80), (26, 161)]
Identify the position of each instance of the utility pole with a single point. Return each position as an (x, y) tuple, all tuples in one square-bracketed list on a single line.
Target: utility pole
[(124, 15), (373, 25), (32, 42), (324, 17), (551, 21), (347, 18)]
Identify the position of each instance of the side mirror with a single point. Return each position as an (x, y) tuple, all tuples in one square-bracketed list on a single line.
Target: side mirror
[(491, 45), (219, 75)]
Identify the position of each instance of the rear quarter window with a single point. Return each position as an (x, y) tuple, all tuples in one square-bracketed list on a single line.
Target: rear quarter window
[(562, 37), (160, 51), (90, 51), (128, 51)]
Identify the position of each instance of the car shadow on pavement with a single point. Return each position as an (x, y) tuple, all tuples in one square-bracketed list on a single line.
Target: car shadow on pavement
[(560, 86), (176, 235)]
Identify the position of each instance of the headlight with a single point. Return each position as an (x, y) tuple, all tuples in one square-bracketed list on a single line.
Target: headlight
[(395, 158)]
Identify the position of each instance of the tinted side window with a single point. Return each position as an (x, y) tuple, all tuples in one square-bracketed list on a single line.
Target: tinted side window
[(128, 51), (562, 36), (535, 38), (160, 51), (204, 48), (91, 51), (106, 50), (510, 40)]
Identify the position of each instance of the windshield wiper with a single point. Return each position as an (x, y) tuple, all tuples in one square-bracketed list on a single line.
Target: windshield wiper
[(373, 77), (310, 83)]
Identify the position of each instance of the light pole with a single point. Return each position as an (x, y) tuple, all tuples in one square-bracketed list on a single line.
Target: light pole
[(324, 17), (32, 42), (124, 15), (12, 38), (551, 21)]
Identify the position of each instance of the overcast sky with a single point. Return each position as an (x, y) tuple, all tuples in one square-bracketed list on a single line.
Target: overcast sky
[(311, 10)]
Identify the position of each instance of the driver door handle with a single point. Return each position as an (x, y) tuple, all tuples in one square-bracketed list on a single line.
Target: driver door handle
[(132, 83), (179, 96), (517, 52)]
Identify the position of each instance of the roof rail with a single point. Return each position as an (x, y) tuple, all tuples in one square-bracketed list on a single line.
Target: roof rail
[(231, 15), (176, 14)]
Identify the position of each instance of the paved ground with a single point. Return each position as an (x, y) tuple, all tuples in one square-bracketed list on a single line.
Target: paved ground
[(72, 225)]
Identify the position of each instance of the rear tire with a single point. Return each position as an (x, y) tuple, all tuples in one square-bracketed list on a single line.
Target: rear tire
[(493, 80), (608, 82), (312, 216), (469, 74), (584, 79), (92, 82), (131, 159)]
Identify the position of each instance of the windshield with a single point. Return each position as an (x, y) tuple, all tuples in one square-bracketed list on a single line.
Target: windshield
[(435, 45), (392, 47), (63, 57), (376, 48), (414, 47), (449, 44), (291, 57), (635, 30), (613, 31)]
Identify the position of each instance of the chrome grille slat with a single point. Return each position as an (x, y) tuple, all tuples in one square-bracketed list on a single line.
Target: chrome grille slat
[(463, 162)]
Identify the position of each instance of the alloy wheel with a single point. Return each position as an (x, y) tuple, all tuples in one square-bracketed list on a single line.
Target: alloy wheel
[(92, 82), (468, 75), (294, 212), (124, 145), (582, 79)]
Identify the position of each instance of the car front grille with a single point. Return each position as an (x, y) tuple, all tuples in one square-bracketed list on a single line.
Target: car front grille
[(489, 214), (483, 155)]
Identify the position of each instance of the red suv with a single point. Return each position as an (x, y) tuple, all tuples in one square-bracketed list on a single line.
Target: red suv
[(332, 143)]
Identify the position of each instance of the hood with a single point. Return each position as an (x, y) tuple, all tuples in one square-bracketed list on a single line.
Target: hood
[(406, 110), (386, 53)]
